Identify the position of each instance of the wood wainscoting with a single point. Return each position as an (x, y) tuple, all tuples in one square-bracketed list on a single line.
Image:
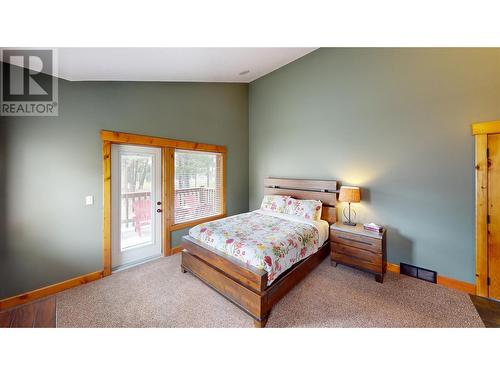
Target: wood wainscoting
[(448, 282)]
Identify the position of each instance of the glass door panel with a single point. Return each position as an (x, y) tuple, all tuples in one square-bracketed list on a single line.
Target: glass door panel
[(136, 207), (135, 204)]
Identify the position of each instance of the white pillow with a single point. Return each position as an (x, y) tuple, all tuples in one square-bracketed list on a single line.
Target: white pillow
[(274, 203), (308, 209)]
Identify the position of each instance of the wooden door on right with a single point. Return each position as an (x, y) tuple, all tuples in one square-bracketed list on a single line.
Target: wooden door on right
[(494, 216)]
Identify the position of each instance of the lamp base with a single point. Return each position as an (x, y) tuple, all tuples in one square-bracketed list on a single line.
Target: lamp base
[(349, 223), (347, 216)]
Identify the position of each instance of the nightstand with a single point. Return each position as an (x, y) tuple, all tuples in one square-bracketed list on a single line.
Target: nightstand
[(356, 247)]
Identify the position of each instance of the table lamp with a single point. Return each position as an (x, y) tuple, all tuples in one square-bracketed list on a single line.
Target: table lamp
[(349, 194)]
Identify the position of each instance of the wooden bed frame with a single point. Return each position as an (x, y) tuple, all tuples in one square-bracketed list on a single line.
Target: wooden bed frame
[(245, 285)]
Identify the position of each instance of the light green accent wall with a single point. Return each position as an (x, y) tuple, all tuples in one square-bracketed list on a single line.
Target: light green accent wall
[(49, 164), (176, 237), (393, 121)]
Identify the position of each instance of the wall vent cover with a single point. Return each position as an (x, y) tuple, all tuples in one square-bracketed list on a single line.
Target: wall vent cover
[(418, 272)]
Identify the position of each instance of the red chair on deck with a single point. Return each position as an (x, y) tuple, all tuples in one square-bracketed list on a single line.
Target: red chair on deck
[(142, 214)]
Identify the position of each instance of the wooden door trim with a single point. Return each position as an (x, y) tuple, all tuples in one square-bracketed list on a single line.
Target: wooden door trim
[(480, 132), (145, 140), (171, 196), (488, 127), (481, 226), (106, 167), (168, 147), (165, 185)]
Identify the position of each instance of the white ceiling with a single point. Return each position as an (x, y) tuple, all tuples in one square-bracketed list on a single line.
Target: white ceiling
[(173, 64)]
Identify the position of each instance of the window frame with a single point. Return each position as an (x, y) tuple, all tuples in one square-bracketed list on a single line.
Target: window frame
[(190, 223), (168, 146)]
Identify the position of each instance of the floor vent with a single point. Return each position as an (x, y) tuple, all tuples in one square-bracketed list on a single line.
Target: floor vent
[(418, 272)]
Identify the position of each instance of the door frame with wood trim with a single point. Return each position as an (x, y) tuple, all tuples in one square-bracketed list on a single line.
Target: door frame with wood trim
[(168, 146), (123, 254), (480, 131)]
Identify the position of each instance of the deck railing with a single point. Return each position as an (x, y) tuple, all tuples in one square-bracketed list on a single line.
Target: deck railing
[(185, 197), (189, 201), (193, 203)]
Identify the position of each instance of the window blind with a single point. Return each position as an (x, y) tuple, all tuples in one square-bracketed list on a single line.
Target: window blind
[(198, 185)]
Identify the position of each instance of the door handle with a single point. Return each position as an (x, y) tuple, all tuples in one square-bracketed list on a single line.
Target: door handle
[(158, 203), (159, 210)]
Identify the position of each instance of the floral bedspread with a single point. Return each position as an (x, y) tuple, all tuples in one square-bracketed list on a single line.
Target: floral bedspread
[(261, 240)]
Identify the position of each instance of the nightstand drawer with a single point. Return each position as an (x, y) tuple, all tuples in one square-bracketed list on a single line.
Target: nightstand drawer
[(356, 262), (354, 252), (362, 242)]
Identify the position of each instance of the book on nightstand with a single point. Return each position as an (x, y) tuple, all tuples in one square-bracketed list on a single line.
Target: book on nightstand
[(372, 227)]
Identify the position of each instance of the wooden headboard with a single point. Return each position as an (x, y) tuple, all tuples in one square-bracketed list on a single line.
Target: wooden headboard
[(324, 190)]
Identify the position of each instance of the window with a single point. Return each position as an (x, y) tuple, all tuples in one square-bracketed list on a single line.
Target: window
[(198, 185)]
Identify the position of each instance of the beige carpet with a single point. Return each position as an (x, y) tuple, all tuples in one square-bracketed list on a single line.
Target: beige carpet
[(157, 294)]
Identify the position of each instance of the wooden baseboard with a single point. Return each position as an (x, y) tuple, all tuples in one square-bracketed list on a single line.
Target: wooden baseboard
[(456, 284), (392, 267), (49, 290), (176, 250), (448, 282)]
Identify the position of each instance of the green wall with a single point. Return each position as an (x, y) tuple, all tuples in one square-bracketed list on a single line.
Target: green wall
[(49, 164), (395, 122)]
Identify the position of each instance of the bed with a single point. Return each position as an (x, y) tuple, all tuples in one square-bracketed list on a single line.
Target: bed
[(254, 259)]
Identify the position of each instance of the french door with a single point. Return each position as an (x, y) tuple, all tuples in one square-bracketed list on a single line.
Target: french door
[(136, 207)]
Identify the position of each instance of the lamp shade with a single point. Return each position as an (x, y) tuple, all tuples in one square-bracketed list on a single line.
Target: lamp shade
[(349, 194)]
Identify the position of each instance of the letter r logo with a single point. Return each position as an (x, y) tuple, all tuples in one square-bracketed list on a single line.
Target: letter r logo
[(28, 76)]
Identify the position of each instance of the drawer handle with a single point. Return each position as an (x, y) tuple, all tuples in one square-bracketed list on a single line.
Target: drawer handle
[(352, 239)]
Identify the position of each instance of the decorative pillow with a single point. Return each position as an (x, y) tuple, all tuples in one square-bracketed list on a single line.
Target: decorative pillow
[(275, 203), (308, 209)]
